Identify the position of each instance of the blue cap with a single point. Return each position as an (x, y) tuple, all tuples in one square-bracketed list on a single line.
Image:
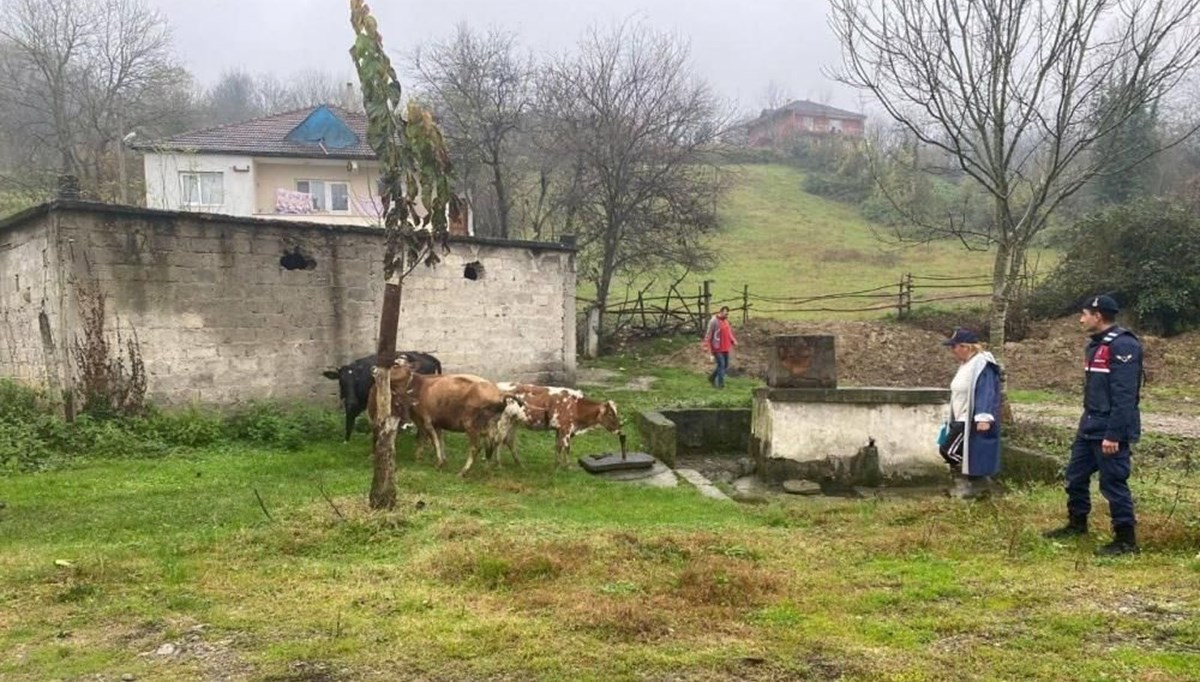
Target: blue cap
[(1103, 303), (961, 335)]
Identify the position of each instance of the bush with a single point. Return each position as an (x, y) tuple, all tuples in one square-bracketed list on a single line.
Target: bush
[(1145, 254), (839, 187), (34, 437)]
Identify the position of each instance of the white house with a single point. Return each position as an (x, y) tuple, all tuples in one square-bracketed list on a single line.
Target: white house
[(311, 164)]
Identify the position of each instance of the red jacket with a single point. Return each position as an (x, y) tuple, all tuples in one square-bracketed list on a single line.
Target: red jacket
[(719, 338)]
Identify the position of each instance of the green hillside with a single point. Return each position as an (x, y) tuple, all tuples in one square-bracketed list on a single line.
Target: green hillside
[(786, 243)]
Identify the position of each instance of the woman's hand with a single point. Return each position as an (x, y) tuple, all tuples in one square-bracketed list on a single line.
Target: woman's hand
[(983, 427)]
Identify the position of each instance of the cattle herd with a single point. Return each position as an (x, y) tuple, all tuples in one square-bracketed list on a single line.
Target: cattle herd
[(488, 413)]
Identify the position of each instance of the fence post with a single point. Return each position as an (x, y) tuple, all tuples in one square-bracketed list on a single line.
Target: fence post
[(707, 299), (745, 304), (904, 300)]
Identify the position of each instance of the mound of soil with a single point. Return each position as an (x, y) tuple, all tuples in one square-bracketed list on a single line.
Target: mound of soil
[(882, 353)]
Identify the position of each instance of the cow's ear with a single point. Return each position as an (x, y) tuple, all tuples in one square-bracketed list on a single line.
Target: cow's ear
[(330, 374)]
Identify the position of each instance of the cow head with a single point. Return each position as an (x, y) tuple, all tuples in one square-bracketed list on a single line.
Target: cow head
[(344, 375), (609, 418)]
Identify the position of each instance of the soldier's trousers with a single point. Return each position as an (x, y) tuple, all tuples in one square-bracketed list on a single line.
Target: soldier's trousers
[(1086, 459)]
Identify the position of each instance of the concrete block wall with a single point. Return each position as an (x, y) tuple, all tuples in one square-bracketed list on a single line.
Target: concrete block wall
[(221, 320), (31, 343)]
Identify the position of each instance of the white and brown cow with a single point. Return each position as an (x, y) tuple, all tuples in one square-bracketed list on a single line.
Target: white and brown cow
[(462, 403), (551, 408)]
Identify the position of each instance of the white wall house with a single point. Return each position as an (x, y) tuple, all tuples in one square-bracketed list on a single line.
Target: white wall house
[(310, 165)]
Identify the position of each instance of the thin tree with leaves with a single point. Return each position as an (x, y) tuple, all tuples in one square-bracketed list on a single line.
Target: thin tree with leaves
[(415, 192)]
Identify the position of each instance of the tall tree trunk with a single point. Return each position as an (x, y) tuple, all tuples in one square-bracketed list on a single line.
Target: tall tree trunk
[(501, 193), (383, 452), (1006, 248)]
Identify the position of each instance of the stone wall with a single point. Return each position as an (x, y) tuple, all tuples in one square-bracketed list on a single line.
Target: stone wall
[(228, 310)]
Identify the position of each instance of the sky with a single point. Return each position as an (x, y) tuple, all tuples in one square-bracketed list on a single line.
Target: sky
[(738, 46)]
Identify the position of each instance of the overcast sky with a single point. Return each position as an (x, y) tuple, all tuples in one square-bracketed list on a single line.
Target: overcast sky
[(739, 45)]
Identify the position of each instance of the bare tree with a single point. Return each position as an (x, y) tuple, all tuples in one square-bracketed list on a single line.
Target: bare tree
[(236, 96), (78, 75), (240, 96), (1016, 93), (632, 127), (775, 96), (481, 89)]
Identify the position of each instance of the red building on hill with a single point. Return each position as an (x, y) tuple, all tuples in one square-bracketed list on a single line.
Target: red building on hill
[(802, 117)]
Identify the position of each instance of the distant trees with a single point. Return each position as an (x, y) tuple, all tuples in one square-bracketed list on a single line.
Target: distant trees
[(1146, 253), (1018, 94), (76, 76), (632, 127), (611, 142), (240, 96), (482, 89)]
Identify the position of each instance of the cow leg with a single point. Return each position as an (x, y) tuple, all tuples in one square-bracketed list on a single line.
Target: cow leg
[(472, 446), (421, 441), (352, 413), (562, 448), (440, 446), (511, 442)]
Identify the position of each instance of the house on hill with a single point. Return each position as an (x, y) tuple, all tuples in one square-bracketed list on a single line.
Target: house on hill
[(311, 164), (802, 117)]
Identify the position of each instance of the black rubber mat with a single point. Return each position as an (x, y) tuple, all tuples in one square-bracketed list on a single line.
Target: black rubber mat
[(612, 462)]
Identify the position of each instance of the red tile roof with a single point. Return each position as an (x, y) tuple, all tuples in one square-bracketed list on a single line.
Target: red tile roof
[(267, 136), (808, 108)]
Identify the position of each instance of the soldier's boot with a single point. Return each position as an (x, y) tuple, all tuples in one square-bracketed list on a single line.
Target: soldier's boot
[(1124, 542), (1076, 525)]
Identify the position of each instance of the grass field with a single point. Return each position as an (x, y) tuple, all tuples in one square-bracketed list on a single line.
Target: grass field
[(169, 569), (783, 242)]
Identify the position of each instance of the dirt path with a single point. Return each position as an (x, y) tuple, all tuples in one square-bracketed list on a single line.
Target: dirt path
[(1182, 425)]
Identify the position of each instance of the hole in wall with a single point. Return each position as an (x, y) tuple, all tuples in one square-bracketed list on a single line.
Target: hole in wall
[(473, 271), (297, 261)]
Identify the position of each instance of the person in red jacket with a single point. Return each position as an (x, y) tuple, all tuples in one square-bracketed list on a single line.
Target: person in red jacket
[(719, 340)]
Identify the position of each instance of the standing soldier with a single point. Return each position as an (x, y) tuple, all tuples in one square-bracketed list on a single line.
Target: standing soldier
[(1110, 423)]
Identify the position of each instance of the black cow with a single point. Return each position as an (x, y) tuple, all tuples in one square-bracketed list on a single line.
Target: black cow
[(356, 379)]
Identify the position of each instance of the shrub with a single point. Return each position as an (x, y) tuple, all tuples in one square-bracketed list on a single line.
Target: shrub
[(34, 437), (1145, 254)]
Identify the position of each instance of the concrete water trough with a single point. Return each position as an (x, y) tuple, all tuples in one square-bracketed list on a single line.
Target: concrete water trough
[(802, 426)]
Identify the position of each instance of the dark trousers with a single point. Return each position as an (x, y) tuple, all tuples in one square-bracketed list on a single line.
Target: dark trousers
[(952, 450), (1086, 459), (717, 377)]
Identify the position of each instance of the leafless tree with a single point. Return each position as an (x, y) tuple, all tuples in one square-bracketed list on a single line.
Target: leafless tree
[(775, 96), (481, 87), (77, 75), (236, 97), (1017, 93), (633, 128), (239, 95)]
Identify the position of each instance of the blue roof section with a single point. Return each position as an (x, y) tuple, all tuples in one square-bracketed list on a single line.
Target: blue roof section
[(272, 136), (323, 127)]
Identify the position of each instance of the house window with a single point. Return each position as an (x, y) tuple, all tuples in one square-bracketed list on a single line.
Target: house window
[(332, 197), (339, 197), (202, 189)]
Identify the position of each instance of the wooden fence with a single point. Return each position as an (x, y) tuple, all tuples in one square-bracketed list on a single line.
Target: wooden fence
[(640, 314)]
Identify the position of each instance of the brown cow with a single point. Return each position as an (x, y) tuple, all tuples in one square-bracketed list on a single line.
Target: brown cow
[(462, 403), (563, 410)]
